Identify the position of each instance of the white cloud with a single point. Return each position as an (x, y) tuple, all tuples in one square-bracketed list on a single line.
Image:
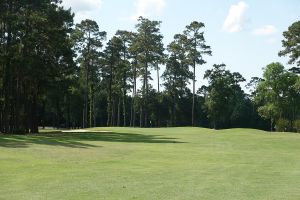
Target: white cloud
[(82, 5), (265, 31), (148, 7), (83, 9), (236, 18)]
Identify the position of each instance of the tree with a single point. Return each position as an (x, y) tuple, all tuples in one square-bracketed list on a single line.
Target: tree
[(291, 44), (177, 74), (255, 121), (196, 49), (276, 94), (88, 42), (133, 51), (112, 58), (117, 71), (149, 47), (35, 52), (124, 68), (223, 96)]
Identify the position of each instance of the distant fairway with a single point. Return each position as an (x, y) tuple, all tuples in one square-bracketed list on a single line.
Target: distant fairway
[(162, 163)]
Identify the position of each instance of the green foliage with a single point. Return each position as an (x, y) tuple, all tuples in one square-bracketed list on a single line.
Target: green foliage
[(88, 39), (223, 95), (276, 94), (282, 125), (291, 43), (53, 73), (268, 111), (117, 72), (176, 75), (35, 58), (296, 125), (149, 49), (195, 47)]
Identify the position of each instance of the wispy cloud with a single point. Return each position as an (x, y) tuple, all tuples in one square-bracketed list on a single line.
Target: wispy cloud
[(236, 18), (146, 8), (265, 31)]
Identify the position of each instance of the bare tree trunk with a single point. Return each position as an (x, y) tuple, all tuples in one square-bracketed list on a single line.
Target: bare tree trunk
[(124, 107), (33, 116), (85, 104), (108, 122), (94, 111), (7, 75), (91, 107), (271, 125), (134, 96), (141, 116), (83, 118), (158, 90), (146, 97), (193, 104), (124, 99), (174, 110), (109, 101), (113, 118), (142, 104), (119, 111), (157, 71), (68, 112), (17, 109)]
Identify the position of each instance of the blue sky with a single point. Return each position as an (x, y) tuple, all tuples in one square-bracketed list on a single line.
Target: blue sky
[(245, 35)]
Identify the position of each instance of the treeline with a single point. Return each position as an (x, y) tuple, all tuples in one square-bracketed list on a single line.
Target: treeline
[(55, 73)]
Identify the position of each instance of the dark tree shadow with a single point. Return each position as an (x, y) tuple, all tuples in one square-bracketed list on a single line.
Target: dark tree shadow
[(77, 140)]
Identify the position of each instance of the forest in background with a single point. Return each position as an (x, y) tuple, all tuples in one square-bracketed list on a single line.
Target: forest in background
[(57, 73)]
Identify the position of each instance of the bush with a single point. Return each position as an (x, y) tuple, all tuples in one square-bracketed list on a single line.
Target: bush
[(282, 125), (296, 125)]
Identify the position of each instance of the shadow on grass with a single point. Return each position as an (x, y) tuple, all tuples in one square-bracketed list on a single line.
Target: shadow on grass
[(77, 140)]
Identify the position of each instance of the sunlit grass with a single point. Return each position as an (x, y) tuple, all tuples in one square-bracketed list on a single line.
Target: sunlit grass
[(166, 163)]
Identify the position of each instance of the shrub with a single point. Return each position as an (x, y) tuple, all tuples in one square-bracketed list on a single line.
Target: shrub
[(282, 125), (296, 125)]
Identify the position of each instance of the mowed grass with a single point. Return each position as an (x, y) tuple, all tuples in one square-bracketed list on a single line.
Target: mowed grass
[(165, 163)]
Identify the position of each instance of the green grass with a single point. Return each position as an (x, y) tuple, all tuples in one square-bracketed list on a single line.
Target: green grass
[(166, 163)]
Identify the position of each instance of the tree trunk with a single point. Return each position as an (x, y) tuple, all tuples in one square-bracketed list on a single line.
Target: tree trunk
[(157, 71), (124, 107), (109, 101), (7, 74), (86, 96), (113, 118), (193, 104), (174, 110), (33, 116), (146, 96), (119, 111), (94, 111), (68, 112), (17, 108), (271, 123), (91, 104), (142, 104), (134, 96)]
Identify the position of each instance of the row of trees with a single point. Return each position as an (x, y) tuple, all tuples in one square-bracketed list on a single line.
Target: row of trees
[(54, 73), (278, 92), (130, 57), (35, 60)]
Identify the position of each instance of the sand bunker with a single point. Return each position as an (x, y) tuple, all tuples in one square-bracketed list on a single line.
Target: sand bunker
[(84, 131)]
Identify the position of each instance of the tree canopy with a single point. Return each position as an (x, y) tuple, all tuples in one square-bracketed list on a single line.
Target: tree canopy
[(55, 73)]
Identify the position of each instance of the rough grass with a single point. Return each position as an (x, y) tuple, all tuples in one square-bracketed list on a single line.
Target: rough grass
[(166, 163)]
